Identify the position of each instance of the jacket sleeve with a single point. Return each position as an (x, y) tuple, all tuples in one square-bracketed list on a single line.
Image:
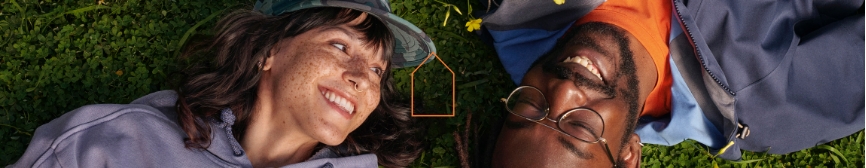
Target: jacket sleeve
[(794, 70), (39, 153), (823, 90), (52, 136), (104, 135)]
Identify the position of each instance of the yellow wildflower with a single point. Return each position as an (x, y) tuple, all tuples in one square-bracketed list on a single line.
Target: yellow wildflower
[(473, 25), (559, 2), (118, 72)]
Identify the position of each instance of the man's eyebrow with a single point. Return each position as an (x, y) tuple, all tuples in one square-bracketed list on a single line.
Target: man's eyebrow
[(571, 148)]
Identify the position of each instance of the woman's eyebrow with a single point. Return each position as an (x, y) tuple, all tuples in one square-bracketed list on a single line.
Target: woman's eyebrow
[(343, 30)]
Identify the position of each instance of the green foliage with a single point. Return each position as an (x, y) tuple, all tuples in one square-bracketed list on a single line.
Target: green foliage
[(57, 55), (480, 80), (845, 152)]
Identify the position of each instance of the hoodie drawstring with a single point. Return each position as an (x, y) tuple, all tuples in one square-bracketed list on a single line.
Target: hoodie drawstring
[(228, 120)]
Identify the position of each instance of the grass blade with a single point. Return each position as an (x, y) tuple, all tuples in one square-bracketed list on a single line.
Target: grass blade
[(835, 153), (747, 161), (84, 9), (192, 29), (17, 6), (458, 10), (472, 84), (447, 14)]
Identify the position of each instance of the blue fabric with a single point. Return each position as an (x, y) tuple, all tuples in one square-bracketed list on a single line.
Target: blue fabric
[(686, 120), (519, 48)]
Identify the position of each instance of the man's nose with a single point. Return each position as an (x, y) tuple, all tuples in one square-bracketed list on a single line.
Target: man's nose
[(565, 96)]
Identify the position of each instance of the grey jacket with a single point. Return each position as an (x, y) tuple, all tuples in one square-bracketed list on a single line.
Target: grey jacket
[(145, 133)]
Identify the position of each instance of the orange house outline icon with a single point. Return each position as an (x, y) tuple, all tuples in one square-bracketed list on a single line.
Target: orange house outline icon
[(453, 90)]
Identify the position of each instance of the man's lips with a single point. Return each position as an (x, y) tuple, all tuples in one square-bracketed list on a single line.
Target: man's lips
[(585, 63)]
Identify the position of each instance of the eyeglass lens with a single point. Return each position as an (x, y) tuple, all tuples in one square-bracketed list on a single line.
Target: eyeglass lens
[(529, 103)]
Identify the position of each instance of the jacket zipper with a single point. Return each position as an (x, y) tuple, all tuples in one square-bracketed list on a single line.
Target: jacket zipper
[(697, 50)]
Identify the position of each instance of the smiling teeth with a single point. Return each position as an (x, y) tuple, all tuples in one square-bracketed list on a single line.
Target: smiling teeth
[(586, 63), (340, 101)]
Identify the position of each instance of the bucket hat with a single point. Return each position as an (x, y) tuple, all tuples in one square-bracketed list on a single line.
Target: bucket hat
[(412, 44)]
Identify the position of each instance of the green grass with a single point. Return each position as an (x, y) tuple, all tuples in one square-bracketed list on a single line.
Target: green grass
[(57, 55), (845, 152)]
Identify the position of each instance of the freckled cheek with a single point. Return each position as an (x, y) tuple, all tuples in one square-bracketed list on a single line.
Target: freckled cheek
[(371, 101), (374, 96)]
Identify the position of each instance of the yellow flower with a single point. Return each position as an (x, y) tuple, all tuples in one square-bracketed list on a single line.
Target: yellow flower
[(559, 2), (473, 25)]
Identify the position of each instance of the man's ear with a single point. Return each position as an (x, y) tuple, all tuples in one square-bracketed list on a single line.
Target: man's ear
[(631, 153)]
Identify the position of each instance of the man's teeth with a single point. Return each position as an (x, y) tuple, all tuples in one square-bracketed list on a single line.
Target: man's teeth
[(340, 101), (586, 63)]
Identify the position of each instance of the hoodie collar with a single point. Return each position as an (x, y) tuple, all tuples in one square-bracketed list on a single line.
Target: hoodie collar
[(223, 143)]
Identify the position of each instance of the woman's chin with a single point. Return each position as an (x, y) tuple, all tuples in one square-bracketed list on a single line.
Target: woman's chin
[(333, 141), (331, 137), (335, 128)]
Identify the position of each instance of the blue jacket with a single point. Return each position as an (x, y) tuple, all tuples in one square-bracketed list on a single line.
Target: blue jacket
[(771, 76), (145, 133)]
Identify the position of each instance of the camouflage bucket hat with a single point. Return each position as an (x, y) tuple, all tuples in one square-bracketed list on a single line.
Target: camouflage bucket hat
[(412, 44)]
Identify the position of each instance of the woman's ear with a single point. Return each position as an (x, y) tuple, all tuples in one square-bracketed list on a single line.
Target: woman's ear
[(631, 154), (266, 62), (276, 49)]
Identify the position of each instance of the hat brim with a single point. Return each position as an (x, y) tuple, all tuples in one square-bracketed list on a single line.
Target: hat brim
[(411, 44)]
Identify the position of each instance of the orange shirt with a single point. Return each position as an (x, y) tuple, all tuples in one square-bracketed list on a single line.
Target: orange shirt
[(649, 21)]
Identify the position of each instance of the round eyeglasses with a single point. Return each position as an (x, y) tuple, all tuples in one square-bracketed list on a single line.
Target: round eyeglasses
[(583, 124)]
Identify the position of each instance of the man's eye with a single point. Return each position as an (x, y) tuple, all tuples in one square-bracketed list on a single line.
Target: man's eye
[(378, 71), (579, 129), (342, 47)]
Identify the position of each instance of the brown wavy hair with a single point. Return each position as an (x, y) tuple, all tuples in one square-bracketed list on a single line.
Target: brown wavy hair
[(225, 73)]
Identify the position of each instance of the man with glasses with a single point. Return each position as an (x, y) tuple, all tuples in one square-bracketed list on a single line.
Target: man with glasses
[(586, 89), (762, 76)]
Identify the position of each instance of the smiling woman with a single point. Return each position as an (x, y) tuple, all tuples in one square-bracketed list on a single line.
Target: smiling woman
[(316, 79), (284, 85)]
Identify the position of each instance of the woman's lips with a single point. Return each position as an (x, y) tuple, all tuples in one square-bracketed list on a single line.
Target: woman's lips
[(338, 101)]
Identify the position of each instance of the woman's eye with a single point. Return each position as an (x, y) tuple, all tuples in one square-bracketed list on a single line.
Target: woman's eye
[(342, 47), (378, 71)]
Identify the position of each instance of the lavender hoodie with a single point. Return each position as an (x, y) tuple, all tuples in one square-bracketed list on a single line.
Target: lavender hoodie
[(145, 133)]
